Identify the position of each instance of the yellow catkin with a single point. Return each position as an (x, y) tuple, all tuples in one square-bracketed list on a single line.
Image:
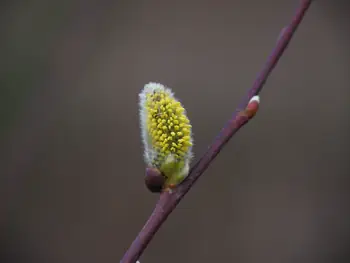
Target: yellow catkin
[(166, 133), (174, 137)]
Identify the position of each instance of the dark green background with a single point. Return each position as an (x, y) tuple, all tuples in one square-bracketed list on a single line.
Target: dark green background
[(70, 151)]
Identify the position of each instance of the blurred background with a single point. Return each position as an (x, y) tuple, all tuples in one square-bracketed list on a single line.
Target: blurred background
[(71, 185)]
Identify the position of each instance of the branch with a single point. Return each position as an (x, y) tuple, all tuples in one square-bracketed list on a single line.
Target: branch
[(169, 199)]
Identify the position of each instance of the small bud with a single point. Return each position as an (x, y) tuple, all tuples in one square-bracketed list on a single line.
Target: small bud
[(154, 180), (252, 107)]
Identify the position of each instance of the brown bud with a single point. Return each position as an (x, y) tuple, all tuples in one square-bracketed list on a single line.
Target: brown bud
[(154, 180), (252, 107)]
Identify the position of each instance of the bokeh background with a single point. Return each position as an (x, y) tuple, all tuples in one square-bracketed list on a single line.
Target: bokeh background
[(71, 156)]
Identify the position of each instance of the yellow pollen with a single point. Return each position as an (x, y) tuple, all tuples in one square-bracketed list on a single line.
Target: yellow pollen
[(168, 125)]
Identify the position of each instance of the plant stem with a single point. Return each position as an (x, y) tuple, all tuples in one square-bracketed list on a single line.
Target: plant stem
[(169, 199)]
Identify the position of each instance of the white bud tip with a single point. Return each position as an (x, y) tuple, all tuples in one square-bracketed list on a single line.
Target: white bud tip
[(255, 98), (138, 262)]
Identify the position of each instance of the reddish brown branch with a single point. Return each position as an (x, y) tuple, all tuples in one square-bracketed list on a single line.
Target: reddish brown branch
[(169, 200)]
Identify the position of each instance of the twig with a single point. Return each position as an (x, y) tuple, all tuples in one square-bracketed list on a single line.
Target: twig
[(169, 199)]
